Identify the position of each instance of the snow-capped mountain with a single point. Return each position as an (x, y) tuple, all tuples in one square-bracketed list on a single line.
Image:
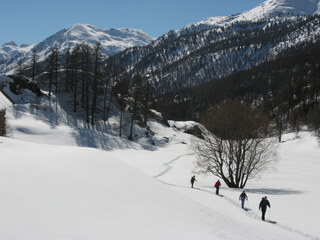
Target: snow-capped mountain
[(11, 50), (112, 41), (219, 46), (266, 10)]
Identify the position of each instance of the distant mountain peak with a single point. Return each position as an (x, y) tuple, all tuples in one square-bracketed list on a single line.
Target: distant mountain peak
[(112, 40), (266, 10), (273, 8), (12, 43)]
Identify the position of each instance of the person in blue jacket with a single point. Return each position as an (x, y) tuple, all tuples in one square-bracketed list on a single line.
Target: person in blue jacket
[(243, 197)]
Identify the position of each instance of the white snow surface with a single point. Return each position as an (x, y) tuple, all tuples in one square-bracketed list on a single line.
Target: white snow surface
[(62, 181), (4, 101)]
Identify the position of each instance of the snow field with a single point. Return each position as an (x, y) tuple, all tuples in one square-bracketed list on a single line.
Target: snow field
[(55, 192), (53, 189)]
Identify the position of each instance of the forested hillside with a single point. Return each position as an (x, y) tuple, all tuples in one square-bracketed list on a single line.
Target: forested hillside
[(188, 58), (287, 88)]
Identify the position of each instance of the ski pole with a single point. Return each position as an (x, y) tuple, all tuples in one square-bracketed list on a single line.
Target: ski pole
[(269, 213), (257, 213)]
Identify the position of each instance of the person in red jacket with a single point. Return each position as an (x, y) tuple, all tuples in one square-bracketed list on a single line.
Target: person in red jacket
[(217, 186)]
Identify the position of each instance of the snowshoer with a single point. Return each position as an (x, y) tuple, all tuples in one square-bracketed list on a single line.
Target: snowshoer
[(263, 206), (192, 180), (243, 197), (217, 186)]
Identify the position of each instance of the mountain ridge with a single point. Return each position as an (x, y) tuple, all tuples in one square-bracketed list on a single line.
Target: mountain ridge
[(266, 10), (112, 41)]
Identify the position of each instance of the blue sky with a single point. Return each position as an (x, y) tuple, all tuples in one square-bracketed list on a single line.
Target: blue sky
[(32, 21)]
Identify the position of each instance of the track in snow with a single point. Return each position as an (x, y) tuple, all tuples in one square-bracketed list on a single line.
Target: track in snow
[(248, 211)]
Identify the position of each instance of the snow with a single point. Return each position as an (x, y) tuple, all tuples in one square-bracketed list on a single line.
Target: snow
[(266, 10), (112, 41), (11, 50), (60, 180), (4, 101)]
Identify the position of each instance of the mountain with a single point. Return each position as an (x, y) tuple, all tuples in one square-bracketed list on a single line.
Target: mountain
[(11, 50), (266, 10), (286, 86), (112, 41), (183, 58), (219, 46)]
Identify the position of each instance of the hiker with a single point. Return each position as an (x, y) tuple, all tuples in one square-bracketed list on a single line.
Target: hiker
[(243, 197), (217, 186), (192, 180), (263, 206)]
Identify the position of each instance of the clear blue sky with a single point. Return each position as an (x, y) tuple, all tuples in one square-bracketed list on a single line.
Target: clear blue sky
[(31, 21)]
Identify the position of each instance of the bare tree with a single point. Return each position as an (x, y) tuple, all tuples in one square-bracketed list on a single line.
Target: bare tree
[(56, 66), (113, 72), (50, 67), (67, 60), (121, 89), (34, 59), (236, 146), (314, 116), (137, 88), (147, 98), (74, 75), (96, 79), (19, 70), (2, 122)]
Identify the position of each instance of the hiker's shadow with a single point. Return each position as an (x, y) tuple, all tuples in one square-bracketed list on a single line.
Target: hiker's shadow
[(272, 222), (208, 191)]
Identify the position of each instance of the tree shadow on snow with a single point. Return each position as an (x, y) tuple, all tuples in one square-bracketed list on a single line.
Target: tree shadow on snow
[(270, 191)]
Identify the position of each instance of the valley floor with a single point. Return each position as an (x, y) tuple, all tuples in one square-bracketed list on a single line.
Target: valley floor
[(53, 189)]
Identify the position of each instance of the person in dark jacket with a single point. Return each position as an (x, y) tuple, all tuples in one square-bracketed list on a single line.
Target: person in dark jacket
[(217, 186), (263, 206), (192, 180), (243, 197)]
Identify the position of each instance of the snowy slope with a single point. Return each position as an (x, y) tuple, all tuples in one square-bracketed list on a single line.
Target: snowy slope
[(291, 186), (67, 192), (266, 10), (54, 192), (4, 102)]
